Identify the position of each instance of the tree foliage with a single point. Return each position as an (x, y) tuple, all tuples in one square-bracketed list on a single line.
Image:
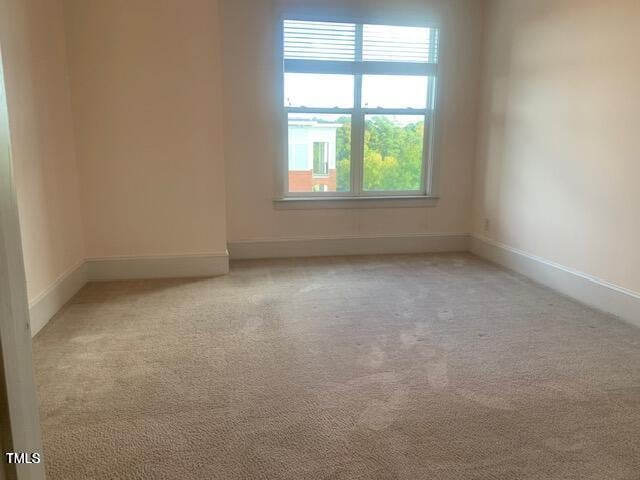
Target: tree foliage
[(392, 155)]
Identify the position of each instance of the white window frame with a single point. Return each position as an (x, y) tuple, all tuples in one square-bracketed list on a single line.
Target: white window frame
[(325, 151), (428, 187)]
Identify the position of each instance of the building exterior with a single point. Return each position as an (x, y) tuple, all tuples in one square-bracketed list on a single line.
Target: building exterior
[(312, 156)]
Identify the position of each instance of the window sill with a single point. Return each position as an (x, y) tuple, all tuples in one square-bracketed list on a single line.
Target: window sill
[(316, 203)]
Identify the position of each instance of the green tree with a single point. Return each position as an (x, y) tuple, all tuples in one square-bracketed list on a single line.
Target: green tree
[(343, 155), (392, 155), (343, 173)]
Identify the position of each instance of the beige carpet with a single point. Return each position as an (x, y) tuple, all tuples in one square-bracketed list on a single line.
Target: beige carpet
[(398, 367)]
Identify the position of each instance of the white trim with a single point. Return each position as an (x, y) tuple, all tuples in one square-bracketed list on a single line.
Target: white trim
[(19, 413), (164, 266), (318, 203), (48, 303), (580, 286), (349, 245), (307, 11), (358, 68)]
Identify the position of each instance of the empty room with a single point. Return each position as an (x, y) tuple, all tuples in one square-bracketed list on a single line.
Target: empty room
[(320, 239)]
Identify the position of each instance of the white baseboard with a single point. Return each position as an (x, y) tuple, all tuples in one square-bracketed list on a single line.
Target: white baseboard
[(352, 245), (169, 266), (585, 288), (47, 304)]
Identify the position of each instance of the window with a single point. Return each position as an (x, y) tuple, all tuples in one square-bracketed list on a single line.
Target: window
[(320, 158), (359, 101)]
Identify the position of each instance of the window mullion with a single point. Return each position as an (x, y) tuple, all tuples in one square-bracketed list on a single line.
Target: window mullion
[(357, 139), (357, 133), (428, 172)]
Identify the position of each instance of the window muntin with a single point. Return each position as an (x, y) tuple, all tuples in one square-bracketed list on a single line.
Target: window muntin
[(370, 90)]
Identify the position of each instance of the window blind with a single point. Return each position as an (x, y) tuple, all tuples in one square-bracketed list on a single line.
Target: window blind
[(382, 43), (329, 41), (319, 40)]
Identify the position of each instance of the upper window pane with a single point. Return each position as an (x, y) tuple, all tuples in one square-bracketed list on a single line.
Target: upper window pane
[(383, 43), (318, 90), (394, 91), (319, 40)]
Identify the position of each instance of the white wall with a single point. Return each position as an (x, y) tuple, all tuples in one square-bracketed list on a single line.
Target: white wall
[(145, 82), (558, 165), (32, 39), (141, 93), (253, 130), (145, 85)]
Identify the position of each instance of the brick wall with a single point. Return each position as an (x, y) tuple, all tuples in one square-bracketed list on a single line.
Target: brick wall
[(303, 181)]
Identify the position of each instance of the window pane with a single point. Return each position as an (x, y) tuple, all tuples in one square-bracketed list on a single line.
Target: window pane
[(394, 91), (319, 153), (393, 147), (320, 158), (383, 43), (319, 40), (318, 91)]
